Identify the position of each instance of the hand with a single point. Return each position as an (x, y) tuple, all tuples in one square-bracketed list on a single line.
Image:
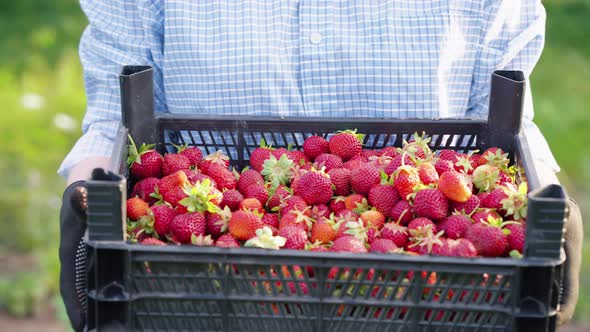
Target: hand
[(574, 236)]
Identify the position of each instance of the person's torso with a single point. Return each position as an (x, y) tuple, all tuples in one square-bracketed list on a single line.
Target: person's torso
[(365, 58)]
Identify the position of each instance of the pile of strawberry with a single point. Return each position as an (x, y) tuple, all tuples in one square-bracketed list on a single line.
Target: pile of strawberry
[(332, 196)]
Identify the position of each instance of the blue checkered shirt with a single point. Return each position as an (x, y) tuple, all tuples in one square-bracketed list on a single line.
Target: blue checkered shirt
[(363, 58)]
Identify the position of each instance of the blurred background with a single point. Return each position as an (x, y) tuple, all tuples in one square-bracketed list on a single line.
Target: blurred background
[(42, 103)]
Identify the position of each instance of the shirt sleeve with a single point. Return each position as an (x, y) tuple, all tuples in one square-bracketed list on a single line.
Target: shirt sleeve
[(512, 39), (119, 33)]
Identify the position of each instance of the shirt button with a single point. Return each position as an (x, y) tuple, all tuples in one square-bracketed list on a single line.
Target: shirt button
[(315, 38)]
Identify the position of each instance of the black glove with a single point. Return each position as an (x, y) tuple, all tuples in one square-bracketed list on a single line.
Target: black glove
[(574, 236), (72, 253)]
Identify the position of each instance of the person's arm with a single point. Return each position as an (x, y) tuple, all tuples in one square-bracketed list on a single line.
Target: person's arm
[(119, 33)]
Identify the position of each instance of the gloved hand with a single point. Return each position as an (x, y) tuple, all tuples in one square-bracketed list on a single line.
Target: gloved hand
[(72, 273), (574, 236)]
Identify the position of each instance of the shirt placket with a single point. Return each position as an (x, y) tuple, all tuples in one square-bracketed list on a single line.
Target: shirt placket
[(317, 56)]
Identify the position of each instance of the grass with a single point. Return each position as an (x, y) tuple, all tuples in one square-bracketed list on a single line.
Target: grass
[(46, 71)]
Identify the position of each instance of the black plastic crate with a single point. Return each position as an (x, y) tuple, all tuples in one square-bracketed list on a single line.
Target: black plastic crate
[(188, 288)]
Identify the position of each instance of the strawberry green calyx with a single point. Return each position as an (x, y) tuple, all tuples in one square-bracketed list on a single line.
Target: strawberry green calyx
[(498, 159), (464, 163), (264, 239), (430, 240), (358, 230), (134, 155), (217, 157), (156, 194), (225, 214), (360, 137), (516, 204), (515, 254), (180, 148), (201, 240), (486, 177), (419, 142), (279, 171), (200, 197)]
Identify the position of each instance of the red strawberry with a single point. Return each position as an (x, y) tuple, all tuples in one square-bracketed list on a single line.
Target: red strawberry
[(328, 162), (494, 156), (224, 178), (271, 220), (396, 233), (406, 178), (353, 163), (418, 223), (396, 163), (383, 197), (456, 186), (319, 210), (174, 197), (461, 248), (136, 208), (175, 162), (298, 157), (337, 204), (227, 241), (483, 215), (280, 195), (194, 177), (494, 200), (455, 225), (294, 203), (218, 222), (516, 237), (373, 219), (193, 154), (145, 162), (402, 212), (443, 166), (346, 144), (144, 188), (314, 146), (214, 158), (349, 243), (383, 246), (243, 225), (345, 216), (231, 199), (324, 230), (277, 153), (340, 178), (162, 216), (427, 173), (183, 226), (368, 153), (171, 183), (488, 238), (251, 204), (296, 218), (259, 192), (356, 202), (389, 151), (448, 155), (467, 207), (362, 179), (314, 188), (296, 237), (150, 241), (482, 196), (258, 156), (249, 178), (431, 203)]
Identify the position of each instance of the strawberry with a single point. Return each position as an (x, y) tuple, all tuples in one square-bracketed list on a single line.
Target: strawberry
[(227, 241), (298, 157), (505, 178), (183, 226), (150, 241), (402, 212), (318, 247), (340, 178), (280, 194), (483, 214), (327, 162), (145, 162), (324, 230), (380, 162), (494, 199), (431, 203), (389, 151), (418, 147), (231, 199), (271, 220), (296, 237), (194, 154), (496, 157), (373, 219), (319, 210), (464, 164), (201, 240), (194, 177), (258, 156), (427, 173), (346, 144), (174, 197), (456, 186), (488, 238), (349, 243), (406, 178), (201, 197), (136, 208), (144, 188), (345, 216), (259, 192), (162, 216), (356, 202), (421, 223), (251, 204), (383, 246), (224, 178), (459, 248), (516, 237), (249, 178), (362, 179), (175, 162), (396, 163), (217, 157), (368, 153), (296, 218), (314, 146), (443, 166), (314, 188), (218, 222), (448, 155), (516, 204), (266, 238), (294, 203), (383, 197), (486, 177), (243, 225), (337, 204), (278, 153), (467, 207), (277, 171), (353, 163), (396, 233), (455, 225)]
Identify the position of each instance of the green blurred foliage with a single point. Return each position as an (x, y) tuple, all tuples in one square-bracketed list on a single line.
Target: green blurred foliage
[(42, 97)]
